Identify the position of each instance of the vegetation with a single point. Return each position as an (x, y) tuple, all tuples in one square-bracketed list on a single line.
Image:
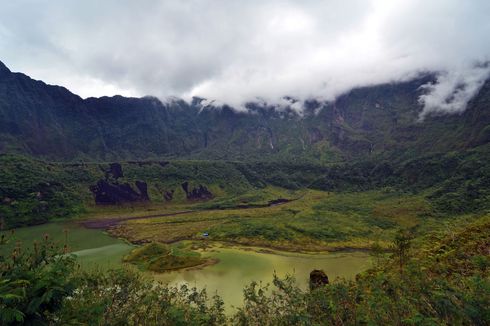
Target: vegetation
[(361, 173), (93, 249), (358, 204), (445, 280), (42, 287), (157, 257), (33, 282), (124, 297), (315, 221), (49, 122), (33, 192)]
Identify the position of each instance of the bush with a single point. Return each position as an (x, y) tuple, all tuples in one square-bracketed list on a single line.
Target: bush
[(124, 297), (34, 282)]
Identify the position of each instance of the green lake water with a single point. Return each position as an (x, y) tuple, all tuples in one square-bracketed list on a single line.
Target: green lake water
[(94, 248), (237, 266)]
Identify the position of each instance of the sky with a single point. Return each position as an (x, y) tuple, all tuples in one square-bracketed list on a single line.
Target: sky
[(238, 51)]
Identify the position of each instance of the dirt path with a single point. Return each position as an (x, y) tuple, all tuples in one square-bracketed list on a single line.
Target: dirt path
[(105, 223)]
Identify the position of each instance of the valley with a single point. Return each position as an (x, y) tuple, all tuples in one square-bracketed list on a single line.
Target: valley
[(225, 259), (331, 231), (184, 211)]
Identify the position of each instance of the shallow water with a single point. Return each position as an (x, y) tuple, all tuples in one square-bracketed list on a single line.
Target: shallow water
[(94, 248), (239, 266)]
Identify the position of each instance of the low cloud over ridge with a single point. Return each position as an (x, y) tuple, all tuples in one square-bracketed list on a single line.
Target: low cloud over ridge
[(238, 51)]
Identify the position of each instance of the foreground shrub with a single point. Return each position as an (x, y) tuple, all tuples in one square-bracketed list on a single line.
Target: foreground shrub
[(124, 297), (33, 282)]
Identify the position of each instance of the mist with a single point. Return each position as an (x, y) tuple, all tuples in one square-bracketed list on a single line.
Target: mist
[(235, 52)]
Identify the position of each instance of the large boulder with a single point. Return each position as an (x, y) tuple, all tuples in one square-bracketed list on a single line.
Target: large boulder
[(107, 193), (318, 278)]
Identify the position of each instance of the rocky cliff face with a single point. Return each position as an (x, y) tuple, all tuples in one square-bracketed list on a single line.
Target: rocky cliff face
[(110, 191), (106, 193), (50, 122)]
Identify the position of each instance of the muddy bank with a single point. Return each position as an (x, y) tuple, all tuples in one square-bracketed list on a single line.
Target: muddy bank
[(105, 223)]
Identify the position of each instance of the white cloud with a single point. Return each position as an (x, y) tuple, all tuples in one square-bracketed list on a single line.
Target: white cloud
[(237, 51), (452, 90)]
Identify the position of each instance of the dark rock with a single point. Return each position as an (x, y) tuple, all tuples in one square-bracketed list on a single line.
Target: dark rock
[(185, 186), (168, 195), (115, 170), (143, 189), (199, 193), (107, 193), (318, 278), (278, 201)]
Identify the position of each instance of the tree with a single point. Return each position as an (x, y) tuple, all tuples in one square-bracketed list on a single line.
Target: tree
[(401, 246)]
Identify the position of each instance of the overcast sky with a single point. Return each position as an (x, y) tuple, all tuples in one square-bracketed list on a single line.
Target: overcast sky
[(238, 51)]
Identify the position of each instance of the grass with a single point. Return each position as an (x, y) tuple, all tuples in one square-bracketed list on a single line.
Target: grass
[(256, 197), (316, 221), (35, 192)]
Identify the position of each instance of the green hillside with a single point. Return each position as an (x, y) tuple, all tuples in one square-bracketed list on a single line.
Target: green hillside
[(49, 122)]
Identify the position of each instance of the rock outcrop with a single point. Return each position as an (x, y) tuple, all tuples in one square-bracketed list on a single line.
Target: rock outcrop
[(106, 193), (185, 187), (168, 195), (109, 191), (143, 190), (318, 278), (198, 193)]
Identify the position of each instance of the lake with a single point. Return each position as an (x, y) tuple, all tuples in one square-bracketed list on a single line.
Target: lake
[(94, 248), (237, 266)]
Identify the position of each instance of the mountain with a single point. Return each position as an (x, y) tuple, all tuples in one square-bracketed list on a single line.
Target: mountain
[(55, 146), (50, 122)]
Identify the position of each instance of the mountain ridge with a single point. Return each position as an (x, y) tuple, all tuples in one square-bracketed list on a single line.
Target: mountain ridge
[(50, 122)]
